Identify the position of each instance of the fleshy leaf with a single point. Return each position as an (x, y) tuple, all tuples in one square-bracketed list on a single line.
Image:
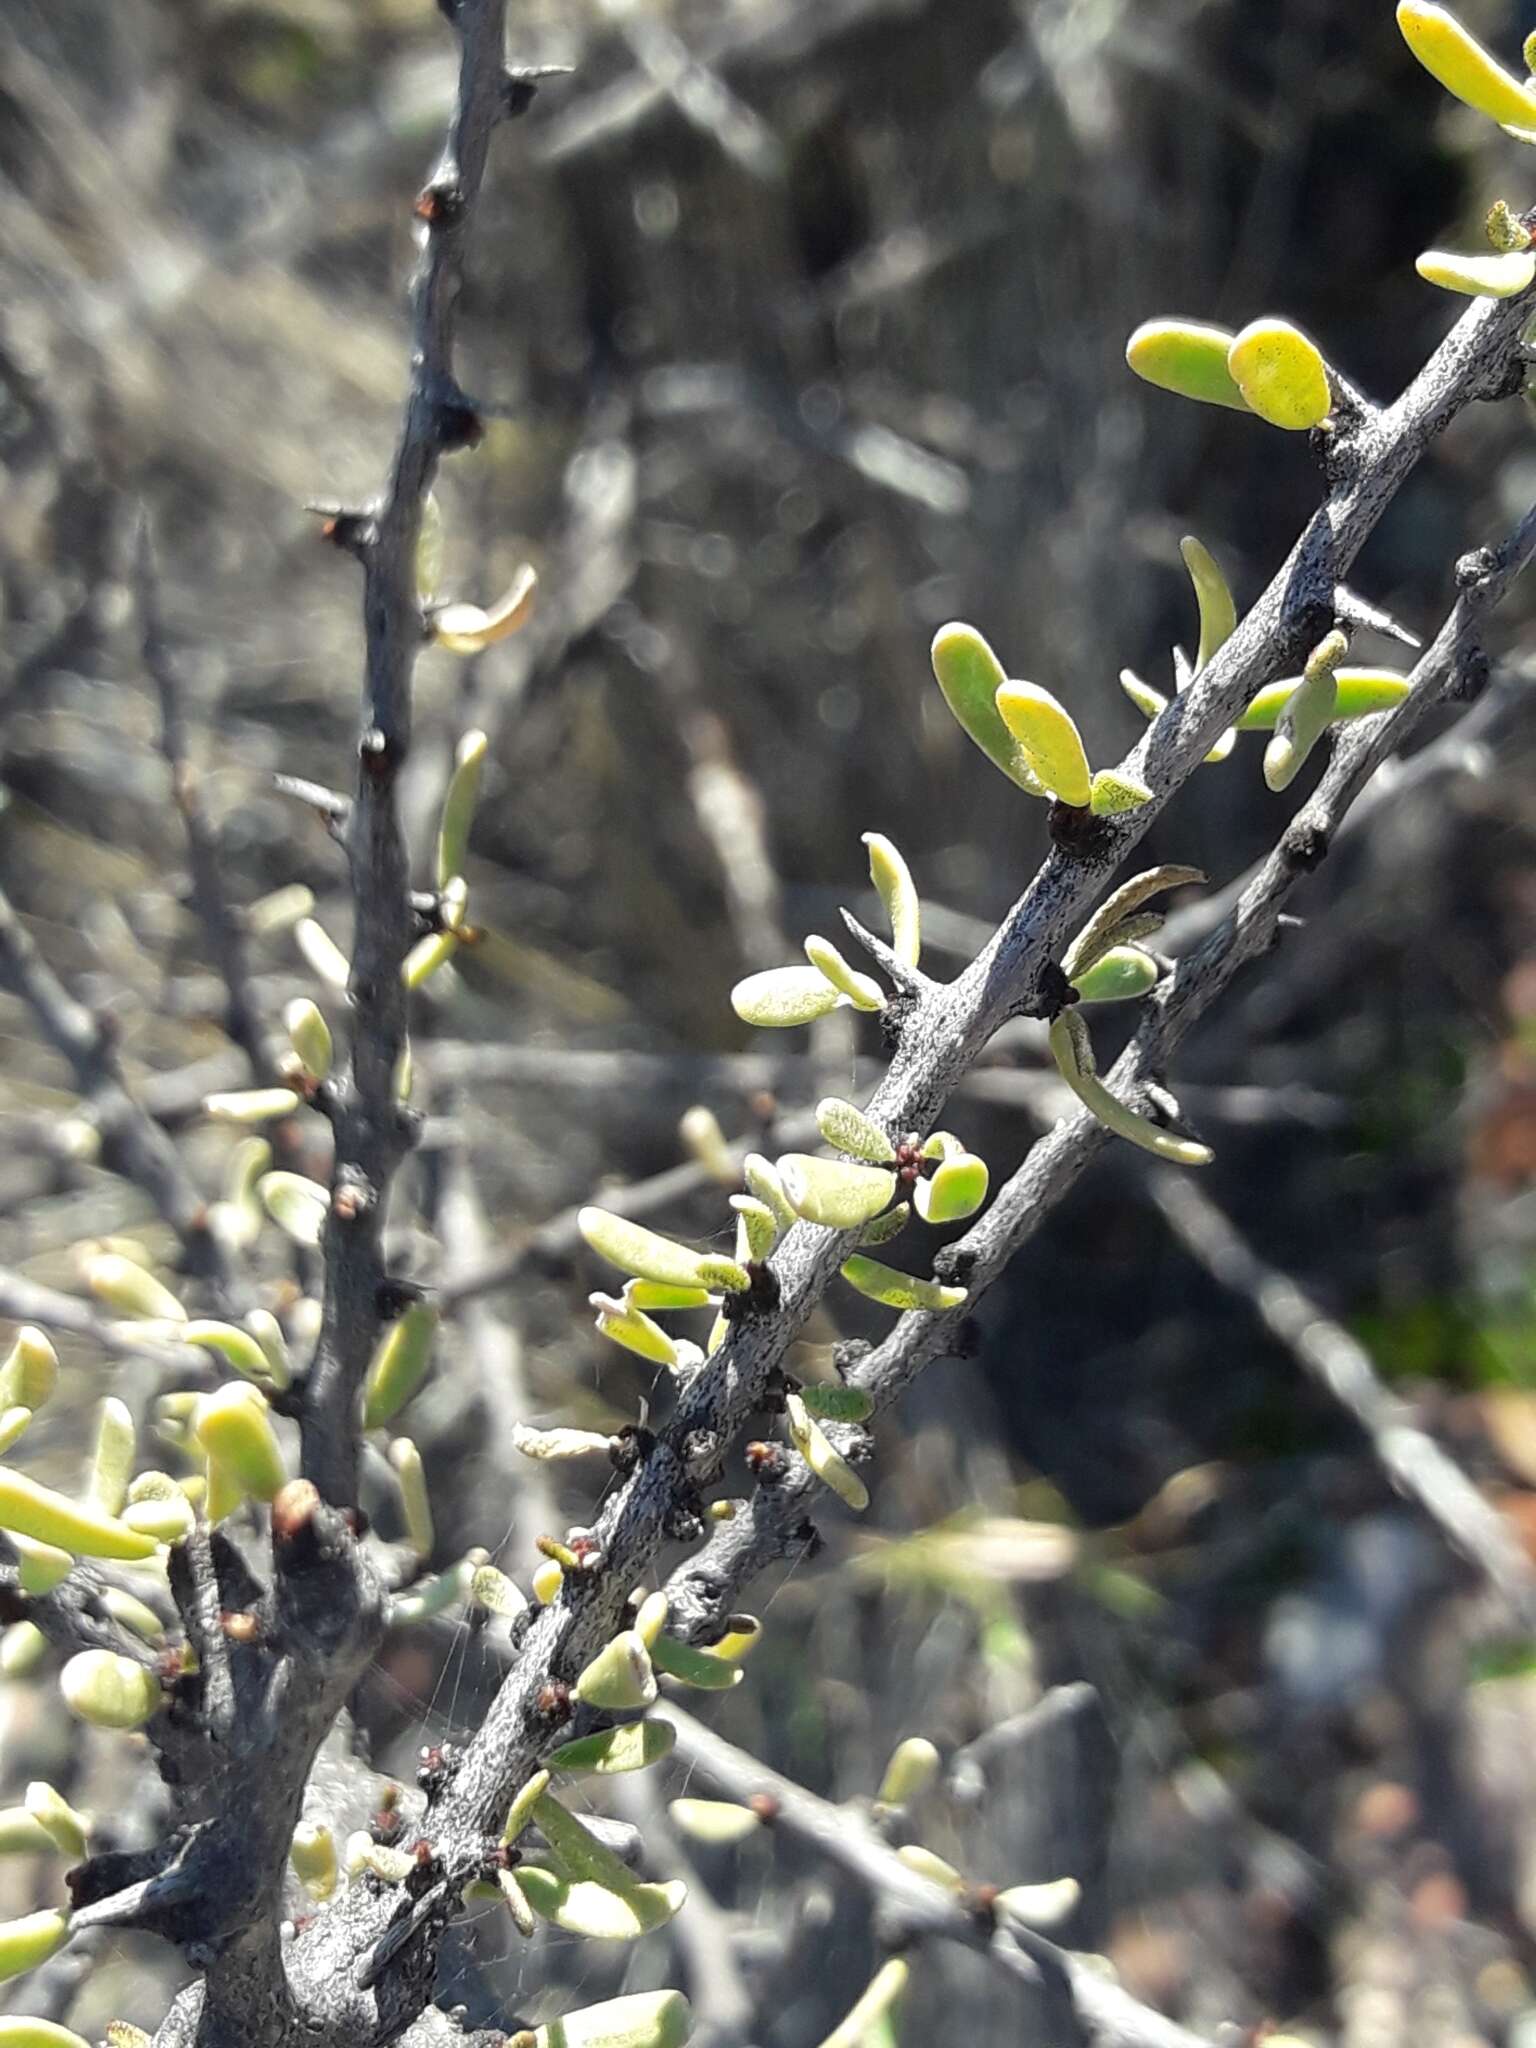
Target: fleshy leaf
[(694, 1667), (1118, 976), (312, 1852), (1306, 713), (1454, 56), (297, 1206), (1106, 927), (621, 1323), (1149, 702), (125, 1287), (30, 1372), (415, 1502), (1040, 1905), (459, 806), (643, 2019), (468, 629), (850, 1130), (1112, 793), (860, 989), (1498, 276), (834, 1402), (1218, 613), (757, 1226), (719, 1823), (633, 1746), (834, 1192), (235, 1429), (895, 1290), (1281, 374), (581, 1906), (67, 1830), (619, 1676), (872, 2005), (1074, 1057), (828, 1464), (1188, 357), (969, 674), (1361, 691), (762, 1179), (31, 1940), (251, 1105), (239, 1350), (780, 997), (109, 1691), (51, 1518), (399, 1364), (898, 893), (1049, 739), (634, 1249), (913, 1766), (957, 1190), (309, 1035)]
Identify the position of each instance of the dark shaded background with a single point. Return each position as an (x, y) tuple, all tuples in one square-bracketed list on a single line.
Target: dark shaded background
[(779, 378)]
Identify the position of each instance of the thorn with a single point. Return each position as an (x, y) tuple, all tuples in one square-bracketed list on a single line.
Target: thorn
[(1353, 610), (907, 979), (520, 84)]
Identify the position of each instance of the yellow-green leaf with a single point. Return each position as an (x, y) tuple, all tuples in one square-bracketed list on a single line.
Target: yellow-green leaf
[(1049, 739), (894, 1290), (1498, 276), (1188, 357), (835, 1192), (969, 674), (1281, 374), (1453, 55)]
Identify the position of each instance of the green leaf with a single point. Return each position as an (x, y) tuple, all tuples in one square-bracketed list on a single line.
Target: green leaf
[(644, 2019), (124, 1286), (894, 1290), (898, 894), (694, 1667), (828, 1464), (1074, 1057), (849, 1130), (1049, 740), (309, 1035), (1498, 276), (913, 1766), (720, 1823), (1106, 927), (833, 1192), (837, 1403), (109, 1691), (780, 997), (621, 1323), (958, 1189), (235, 1429), (52, 1519), (1187, 357), (30, 1372), (634, 1746), (1281, 374), (1112, 793), (31, 1940), (1149, 702), (1361, 691), (1118, 976), (67, 1830), (458, 812), (400, 1363), (969, 674), (860, 989), (296, 1205), (757, 1228), (582, 1906), (1306, 714), (634, 1249), (1213, 596), (620, 1675)]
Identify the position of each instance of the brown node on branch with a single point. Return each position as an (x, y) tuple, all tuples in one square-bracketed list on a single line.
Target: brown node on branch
[(294, 1508)]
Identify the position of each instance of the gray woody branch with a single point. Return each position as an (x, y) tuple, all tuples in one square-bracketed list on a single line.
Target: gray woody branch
[(941, 1034)]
